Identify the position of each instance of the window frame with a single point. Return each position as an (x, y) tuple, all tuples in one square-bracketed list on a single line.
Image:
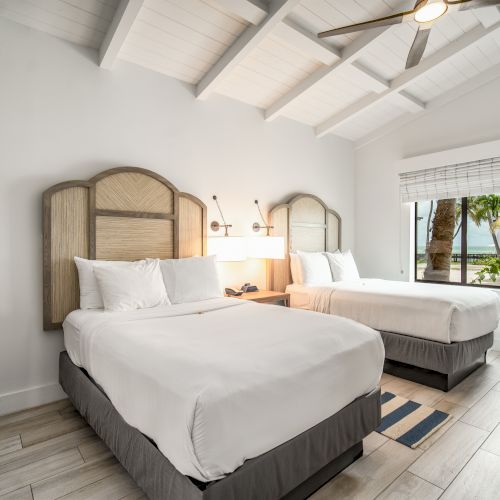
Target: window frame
[(463, 252)]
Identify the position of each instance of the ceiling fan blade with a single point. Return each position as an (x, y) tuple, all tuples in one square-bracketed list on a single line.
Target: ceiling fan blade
[(376, 23), (418, 47), (473, 4)]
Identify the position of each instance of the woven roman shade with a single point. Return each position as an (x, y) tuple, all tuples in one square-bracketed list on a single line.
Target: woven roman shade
[(452, 181)]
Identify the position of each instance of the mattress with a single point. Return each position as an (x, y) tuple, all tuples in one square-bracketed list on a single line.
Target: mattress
[(217, 382), (430, 311)]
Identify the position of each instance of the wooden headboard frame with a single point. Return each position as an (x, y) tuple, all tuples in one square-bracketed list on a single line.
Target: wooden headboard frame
[(306, 223), (125, 213)]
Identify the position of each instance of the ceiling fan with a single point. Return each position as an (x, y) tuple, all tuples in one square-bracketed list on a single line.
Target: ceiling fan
[(425, 13)]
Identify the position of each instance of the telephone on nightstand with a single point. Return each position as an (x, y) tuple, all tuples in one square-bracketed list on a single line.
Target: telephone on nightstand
[(247, 287), (232, 293)]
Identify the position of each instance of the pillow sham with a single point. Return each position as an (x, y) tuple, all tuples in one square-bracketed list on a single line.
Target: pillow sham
[(343, 266), (136, 286), (315, 268), (191, 279), (90, 295), (296, 269)]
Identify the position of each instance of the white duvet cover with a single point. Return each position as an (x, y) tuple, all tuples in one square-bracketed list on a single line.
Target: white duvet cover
[(437, 312), (217, 382)]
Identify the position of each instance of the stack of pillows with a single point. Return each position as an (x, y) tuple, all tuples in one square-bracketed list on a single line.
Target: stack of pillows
[(321, 268), (124, 286)]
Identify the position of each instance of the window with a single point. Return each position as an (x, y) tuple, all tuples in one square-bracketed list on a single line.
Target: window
[(457, 240)]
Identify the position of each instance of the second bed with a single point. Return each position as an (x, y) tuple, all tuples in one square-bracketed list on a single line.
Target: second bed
[(433, 334)]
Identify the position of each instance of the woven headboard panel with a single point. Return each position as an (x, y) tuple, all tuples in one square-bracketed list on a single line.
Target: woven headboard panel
[(125, 213), (307, 224)]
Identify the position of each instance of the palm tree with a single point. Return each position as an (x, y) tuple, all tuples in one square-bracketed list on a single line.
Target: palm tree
[(441, 245), (486, 208)]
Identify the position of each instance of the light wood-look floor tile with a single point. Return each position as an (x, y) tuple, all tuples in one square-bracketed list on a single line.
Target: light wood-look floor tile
[(492, 444), (20, 494), (42, 433), (26, 456), (479, 479), (114, 487), (36, 471), (491, 355), (373, 442), (386, 378), (471, 390), (370, 475), (10, 444), (93, 449), (30, 424), (401, 387), (410, 487), (34, 412), (74, 479), (443, 461), (485, 414)]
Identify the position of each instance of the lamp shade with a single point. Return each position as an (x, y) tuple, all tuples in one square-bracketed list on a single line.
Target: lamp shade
[(227, 248), (266, 247)]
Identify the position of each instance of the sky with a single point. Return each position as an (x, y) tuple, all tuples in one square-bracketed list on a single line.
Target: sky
[(476, 236)]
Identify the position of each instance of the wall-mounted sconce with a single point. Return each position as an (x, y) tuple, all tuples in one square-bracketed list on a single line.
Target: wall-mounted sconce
[(256, 226), (226, 248), (265, 247), (214, 225)]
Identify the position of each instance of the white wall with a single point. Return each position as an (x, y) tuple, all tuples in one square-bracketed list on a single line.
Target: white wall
[(382, 228), (62, 118)]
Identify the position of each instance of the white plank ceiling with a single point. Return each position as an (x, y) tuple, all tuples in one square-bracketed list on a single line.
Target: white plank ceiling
[(267, 55)]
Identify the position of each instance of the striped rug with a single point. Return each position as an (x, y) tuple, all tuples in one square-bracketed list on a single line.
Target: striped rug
[(408, 422)]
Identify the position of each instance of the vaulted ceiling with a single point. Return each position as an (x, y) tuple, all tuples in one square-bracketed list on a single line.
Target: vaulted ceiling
[(268, 55)]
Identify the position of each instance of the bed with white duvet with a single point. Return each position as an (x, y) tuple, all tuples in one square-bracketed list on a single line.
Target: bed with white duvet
[(216, 382), (433, 334), (441, 313)]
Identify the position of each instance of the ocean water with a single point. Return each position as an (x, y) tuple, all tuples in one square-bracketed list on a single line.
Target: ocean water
[(490, 249)]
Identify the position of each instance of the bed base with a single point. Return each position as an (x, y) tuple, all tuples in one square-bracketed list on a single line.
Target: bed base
[(291, 471), (431, 363), (431, 378)]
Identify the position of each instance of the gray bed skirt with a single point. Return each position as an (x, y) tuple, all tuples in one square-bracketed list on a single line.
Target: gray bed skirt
[(291, 471), (433, 363)]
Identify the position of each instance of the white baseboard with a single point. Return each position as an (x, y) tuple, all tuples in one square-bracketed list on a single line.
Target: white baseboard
[(29, 398)]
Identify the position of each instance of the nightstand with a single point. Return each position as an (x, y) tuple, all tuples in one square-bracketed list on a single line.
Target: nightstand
[(267, 297)]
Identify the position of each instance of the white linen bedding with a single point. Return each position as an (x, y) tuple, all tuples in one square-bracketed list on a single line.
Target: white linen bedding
[(436, 312), (216, 382)]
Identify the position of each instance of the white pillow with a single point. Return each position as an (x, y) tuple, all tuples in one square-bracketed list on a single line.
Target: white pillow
[(343, 266), (191, 279), (296, 268), (136, 286), (90, 295), (315, 268)]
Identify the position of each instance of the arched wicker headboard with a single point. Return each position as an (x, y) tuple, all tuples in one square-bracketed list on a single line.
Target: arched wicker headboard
[(307, 224), (124, 213)]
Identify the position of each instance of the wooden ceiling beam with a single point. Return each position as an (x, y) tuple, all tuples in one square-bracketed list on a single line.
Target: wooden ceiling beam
[(351, 52), (305, 42), (251, 11), (120, 26), (405, 79), (244, 44), (451, 95)]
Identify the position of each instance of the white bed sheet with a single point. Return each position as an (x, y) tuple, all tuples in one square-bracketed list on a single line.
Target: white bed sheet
[(217, 382), (443, 313)]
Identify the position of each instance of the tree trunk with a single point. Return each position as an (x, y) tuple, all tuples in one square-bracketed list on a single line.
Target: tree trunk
[(428, 235), (493, 235), (441, 244)]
